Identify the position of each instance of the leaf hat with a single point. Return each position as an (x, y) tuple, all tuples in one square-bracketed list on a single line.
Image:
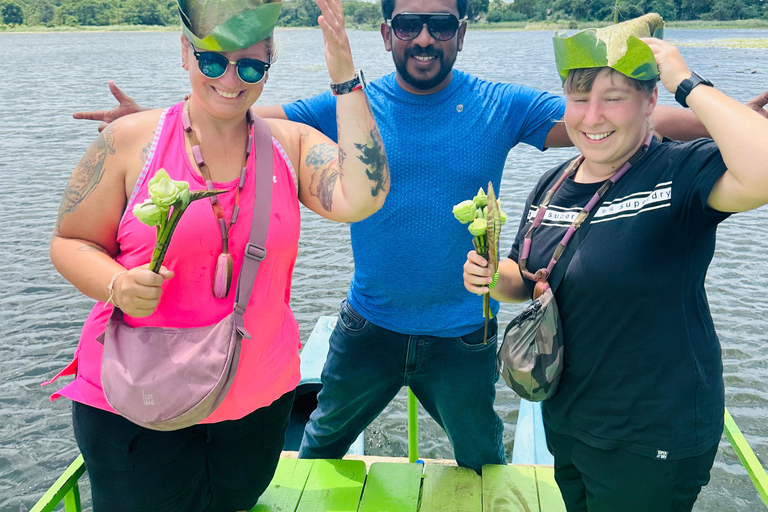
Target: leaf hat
[(227, 25), (616, 46)]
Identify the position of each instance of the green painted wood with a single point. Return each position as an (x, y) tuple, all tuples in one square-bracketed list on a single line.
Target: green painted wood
[(392, 487), (72, 500), (451, 488), (286, 487), (333, 486), (550, 499), (61, 489), (510, 489), (747, 457)]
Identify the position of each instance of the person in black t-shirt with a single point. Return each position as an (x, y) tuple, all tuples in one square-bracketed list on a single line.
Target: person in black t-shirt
[(636, 420)]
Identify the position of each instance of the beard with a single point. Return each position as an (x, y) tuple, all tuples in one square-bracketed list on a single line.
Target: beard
[(401, 64)]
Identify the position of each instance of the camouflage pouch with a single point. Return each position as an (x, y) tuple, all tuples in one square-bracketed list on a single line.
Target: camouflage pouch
[(531, 356)]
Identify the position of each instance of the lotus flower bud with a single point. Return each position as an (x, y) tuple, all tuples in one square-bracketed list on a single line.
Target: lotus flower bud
[(464, 211), (163, 190), (481, 199), (222, 278), (478, 227), (149, 213)]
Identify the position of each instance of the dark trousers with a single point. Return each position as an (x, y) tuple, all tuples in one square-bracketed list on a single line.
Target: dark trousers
[(595, 480), (218, 467)]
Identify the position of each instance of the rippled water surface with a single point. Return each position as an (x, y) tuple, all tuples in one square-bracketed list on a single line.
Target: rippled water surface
[(48, 76)]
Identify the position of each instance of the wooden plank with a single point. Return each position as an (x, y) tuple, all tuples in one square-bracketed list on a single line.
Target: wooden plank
[(454, 489), (392, 487), (550, 499), (510, 489), (333, 485), (530, 445), (286, 488)]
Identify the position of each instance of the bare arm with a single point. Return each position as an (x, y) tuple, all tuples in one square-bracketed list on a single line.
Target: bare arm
[(739, 131), (509, 287), (84, 242)]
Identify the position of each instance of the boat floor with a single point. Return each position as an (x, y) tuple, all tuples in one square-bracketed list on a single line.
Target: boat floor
[(385, 484)]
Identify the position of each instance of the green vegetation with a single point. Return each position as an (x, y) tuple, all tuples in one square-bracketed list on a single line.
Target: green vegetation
[(493, 14)]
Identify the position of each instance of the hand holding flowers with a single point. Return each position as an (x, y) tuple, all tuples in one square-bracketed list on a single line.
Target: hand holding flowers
[(485, 218)]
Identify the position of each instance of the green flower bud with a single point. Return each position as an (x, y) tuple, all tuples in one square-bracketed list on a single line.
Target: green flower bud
[(478, 227), (149, 213), (163, 190), (502, 217), (481, 199), (464, 211)]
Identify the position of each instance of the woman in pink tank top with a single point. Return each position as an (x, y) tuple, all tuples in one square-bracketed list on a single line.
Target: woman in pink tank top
[(225, 462)]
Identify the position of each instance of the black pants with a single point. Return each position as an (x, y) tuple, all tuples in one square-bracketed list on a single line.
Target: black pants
[(595, 480), (218, 467)]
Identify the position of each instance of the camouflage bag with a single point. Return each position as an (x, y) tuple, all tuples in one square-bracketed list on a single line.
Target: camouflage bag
[(531, 355)]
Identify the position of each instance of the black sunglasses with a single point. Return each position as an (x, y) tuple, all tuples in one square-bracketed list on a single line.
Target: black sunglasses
[(407, 26), (214, 65)]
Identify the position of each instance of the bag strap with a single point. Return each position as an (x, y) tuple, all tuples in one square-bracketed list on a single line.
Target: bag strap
[(582, 219), (255, 250)]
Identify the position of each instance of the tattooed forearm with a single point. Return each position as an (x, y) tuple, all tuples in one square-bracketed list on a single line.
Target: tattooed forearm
[(322, 157), (375, 159), (87, 174)]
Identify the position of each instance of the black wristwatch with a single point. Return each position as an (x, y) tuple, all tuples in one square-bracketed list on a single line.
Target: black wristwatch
[(687, 85), (350, 85)]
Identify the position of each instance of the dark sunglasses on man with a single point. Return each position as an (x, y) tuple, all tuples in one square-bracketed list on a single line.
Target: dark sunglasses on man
[(214, 65), (408, 25)]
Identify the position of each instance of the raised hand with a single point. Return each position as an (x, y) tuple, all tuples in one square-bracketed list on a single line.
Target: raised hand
[(338, 54), (672, 67), (126, 106), (758, 104)]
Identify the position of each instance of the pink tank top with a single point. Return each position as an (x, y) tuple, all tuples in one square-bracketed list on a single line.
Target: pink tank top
[(269, 361)]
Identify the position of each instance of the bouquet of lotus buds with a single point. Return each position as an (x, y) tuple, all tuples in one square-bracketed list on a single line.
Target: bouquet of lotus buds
[(485, 219), (168, 199)]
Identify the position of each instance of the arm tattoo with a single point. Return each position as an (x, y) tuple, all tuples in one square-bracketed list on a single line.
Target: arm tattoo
[(321, 157), (373, 157), (87, 174), (145, 151)]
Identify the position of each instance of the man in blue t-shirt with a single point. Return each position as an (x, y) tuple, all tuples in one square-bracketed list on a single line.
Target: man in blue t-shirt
[(446, 134)]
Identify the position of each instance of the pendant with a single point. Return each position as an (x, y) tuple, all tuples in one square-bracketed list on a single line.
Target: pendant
[(222, 279)]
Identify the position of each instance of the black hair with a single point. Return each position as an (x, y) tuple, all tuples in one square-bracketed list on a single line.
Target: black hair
[(388, 6)]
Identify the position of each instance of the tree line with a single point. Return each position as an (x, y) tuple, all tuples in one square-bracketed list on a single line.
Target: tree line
[(304, 13)]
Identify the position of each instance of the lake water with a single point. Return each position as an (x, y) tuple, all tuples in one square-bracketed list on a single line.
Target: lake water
[(49, 76)]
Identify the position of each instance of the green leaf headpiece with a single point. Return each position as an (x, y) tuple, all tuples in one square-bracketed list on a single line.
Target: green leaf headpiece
[(227, 25), (616, 46)]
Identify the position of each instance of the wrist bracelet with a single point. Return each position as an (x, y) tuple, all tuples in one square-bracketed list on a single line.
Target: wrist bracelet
[(111, 288), (493, 283)]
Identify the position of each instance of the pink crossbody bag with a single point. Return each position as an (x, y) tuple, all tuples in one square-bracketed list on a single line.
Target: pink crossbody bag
[(168, 379)]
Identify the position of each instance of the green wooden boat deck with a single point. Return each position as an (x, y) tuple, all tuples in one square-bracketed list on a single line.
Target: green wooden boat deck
[(302, 485)]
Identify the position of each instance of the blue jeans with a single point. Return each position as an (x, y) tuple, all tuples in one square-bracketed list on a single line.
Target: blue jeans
[(453, 378)]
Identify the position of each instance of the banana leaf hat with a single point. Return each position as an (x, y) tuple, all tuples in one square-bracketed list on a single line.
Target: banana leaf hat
[(227, 25), (616, 46)]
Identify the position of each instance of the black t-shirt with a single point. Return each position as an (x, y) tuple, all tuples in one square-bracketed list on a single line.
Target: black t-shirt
[(642, 363)]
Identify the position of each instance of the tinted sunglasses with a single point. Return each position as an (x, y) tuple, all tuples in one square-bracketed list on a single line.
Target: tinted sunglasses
[(214, 65), (407, 26)]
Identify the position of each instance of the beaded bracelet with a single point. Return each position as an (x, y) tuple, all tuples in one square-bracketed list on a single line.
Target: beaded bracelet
[(493, 283), (111, 288)]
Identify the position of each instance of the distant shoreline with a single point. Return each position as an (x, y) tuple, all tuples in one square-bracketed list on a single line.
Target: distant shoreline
[(504, 26)]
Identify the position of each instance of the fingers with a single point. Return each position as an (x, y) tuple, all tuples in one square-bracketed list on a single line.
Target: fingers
[(338, 54), (477, 275), (758, 103), (672, 67), (138, 291)]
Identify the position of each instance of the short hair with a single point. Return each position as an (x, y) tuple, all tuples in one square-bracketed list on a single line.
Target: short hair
[(581, 80), (388, 6)]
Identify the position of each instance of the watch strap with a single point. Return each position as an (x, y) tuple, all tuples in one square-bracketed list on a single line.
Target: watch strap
[(687, 85), (358, 82)]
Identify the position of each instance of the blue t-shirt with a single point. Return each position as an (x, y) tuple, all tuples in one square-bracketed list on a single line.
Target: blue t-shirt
[(441, 148)]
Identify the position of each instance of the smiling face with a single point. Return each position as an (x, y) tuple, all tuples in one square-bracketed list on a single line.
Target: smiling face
[(424, 64), (609, 121), (226, 96)]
